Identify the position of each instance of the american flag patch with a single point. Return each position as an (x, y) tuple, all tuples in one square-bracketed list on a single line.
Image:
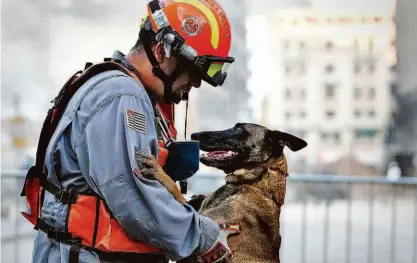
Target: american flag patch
[(136, 120)]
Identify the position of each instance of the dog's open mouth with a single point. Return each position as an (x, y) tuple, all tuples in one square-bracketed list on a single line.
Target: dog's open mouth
[(218, 155)]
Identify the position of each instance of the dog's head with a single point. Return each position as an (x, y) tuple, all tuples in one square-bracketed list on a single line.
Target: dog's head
[(243, 145)]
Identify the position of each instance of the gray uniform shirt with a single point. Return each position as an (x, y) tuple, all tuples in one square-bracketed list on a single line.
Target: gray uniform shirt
[(92, 151)]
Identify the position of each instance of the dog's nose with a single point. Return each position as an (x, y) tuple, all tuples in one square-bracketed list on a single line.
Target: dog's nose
[(195, 136)]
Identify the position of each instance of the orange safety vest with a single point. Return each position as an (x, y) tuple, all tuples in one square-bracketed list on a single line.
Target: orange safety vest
[(90, 223)]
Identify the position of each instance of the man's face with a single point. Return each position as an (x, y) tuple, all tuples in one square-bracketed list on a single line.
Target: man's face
[(184, 82)]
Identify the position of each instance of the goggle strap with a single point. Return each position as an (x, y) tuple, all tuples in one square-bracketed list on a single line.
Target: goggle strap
[(168, 80)]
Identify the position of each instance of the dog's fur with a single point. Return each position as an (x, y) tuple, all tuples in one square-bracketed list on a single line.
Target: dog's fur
[(255, 187), (150, 169)]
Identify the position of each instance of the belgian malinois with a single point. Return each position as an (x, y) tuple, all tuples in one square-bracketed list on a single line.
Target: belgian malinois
[(252, 157)]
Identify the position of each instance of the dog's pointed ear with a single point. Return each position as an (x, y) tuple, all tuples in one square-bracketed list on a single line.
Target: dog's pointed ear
[(285, 139)]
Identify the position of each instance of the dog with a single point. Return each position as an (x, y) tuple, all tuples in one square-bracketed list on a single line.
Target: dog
[(253, 159)]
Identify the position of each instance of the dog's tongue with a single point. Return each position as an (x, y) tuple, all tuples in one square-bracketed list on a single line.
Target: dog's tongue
[(220, 154), (216, 153)]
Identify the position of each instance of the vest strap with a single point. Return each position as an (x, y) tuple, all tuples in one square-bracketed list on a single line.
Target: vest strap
[(65, 197)]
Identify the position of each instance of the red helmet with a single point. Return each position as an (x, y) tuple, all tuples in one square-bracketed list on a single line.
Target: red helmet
[(197, 30)]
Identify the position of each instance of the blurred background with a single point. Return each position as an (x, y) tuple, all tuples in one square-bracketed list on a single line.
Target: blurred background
[(340, 74)]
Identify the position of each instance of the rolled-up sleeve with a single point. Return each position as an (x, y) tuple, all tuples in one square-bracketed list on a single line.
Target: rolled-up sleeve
[(117, 129)]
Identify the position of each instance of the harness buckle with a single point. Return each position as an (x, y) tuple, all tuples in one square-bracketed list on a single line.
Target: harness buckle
[(58, 235), (76, 243), (66, 197)]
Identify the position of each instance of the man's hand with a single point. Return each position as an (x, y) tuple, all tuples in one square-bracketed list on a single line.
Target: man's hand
[(220, 251)]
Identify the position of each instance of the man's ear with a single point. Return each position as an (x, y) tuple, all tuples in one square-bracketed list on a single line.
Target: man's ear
[(285, 139), (159, 53)]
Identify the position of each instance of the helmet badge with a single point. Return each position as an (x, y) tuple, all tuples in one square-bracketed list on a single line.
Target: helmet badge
[(191, 26)]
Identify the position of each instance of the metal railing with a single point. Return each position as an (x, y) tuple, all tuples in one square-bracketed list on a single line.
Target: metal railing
[(350, 219), (17, 235), (325, 218)]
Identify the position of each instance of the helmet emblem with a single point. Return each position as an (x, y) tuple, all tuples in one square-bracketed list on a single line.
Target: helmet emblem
[(191, 26)]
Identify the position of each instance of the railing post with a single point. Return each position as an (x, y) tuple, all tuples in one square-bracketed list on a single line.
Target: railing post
[(393, 223), (326, 229), (348, 222), (371, 222), (16, 226), (415, 227), (304, 227)]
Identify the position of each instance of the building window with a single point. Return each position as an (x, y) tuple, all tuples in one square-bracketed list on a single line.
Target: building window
[(330, 90), (371, 66), (357, 113), (303, 93), (302, 69), (337, 138), (287, 93), (365, 133), (301, 45), (330, 114), (303, 114), (372, 93), (329, 69), (357, 67), (358, 93), (329, 45), (371, 113), (288, 115), (287, 68)]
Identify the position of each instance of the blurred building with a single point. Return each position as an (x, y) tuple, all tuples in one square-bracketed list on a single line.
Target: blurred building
[(402, 143), (38, 57), (19, 139), (332, 81)]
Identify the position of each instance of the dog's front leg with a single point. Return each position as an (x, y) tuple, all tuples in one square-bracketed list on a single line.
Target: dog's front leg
[(196, 201), (150, 169)]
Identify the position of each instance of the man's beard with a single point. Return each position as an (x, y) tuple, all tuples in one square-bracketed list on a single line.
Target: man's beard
[(180, 94)]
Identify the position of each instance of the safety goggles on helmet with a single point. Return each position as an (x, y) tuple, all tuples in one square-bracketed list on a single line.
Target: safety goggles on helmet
[(209, 68)]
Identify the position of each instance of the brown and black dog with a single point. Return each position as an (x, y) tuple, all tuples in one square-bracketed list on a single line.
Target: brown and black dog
[(252, 157)]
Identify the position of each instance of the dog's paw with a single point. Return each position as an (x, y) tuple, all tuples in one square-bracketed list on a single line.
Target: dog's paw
[(147, 164), (196, 201)]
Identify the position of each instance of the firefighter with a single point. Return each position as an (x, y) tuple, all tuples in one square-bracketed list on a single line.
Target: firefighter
[(94, 204)]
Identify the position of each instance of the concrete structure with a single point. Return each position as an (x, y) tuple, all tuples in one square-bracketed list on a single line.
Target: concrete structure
[(402, 143), (332, 78)]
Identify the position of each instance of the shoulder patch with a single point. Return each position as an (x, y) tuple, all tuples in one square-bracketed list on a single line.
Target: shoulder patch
[(136, 120)]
